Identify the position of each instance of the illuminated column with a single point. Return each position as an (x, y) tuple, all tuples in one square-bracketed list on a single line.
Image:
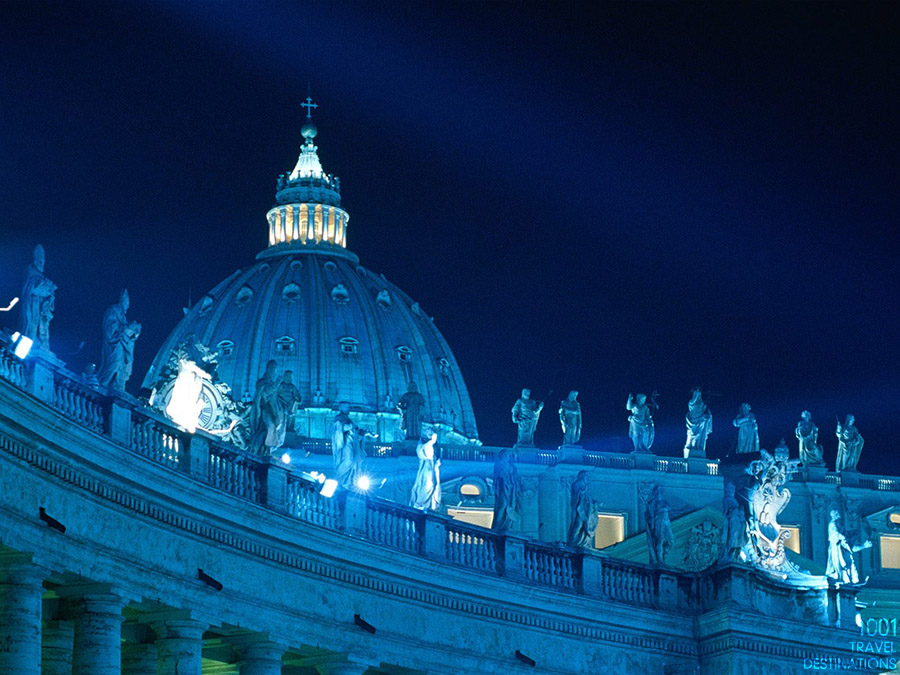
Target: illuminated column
[(339, 232), (261, 658), (56, 647), (180, 644), (330, 230), (317, 221), (308, 222), (97, 648), (138, 658), (295, 223), (20, 615)]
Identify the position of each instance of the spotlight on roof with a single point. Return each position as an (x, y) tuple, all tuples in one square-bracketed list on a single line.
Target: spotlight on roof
[(363, 483), (286, 458), (328, 487), (21, 344)]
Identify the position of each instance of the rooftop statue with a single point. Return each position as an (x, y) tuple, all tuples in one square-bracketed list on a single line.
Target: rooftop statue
[(412, 407), (119, 336), (426, 489), (850, 445), (748, 431), (570, 418), (506, 492), (807, 435), (267, 420), (525, 415), (734, 527), (659, 527), (38, 301), (289, 398), (583, 522), (348, 449), (841, 565), (640, 422), (699, 425)]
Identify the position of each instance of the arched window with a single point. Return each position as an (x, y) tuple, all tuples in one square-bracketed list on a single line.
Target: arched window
[(291, 292), (285, 344), (244, 296), (349, 345), (340, 294), (225, 347), (444, 366), (404, 353)]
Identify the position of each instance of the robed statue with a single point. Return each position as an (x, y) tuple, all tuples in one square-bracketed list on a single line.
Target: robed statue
[(570, 418), (267, 419), (38, 301), (426, 490), (506, 491), (640, 422), (583, 517), (850, 445), (807, 435), (525, 415), (748, 431), (841, 565), (289, 398), (659, 527), (699, 425), (412, 407), (119, 336), (348, 449), (734, 527)]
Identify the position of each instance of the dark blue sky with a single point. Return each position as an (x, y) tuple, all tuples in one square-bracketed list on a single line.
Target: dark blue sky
[(628, 197)]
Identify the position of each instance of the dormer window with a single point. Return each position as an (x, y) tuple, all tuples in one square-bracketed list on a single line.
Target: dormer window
[(444, 366), (404, 353), (291, 292), (383, 299), (340, 294), (206, 304), (285, 344), (349, 345), (244, 296), (225, 347)]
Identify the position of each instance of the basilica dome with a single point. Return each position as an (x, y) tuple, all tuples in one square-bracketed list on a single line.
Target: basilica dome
[(347, 334)]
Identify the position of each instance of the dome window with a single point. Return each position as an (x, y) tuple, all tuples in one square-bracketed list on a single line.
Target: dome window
[(444, 366), (243, 296), (225, 347), (361, 271), (330, 266), (264, 267), (296, 265), (285, 344), (383, 299), (205, 304), (291, 292), (470, 490), (349, 345), (404, 353), (340, 294)]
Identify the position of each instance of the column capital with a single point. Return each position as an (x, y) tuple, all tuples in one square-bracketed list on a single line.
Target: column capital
[(179, 629), (19, 569), (88, 598)]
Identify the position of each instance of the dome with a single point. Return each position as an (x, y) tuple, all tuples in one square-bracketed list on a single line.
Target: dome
[(347, 333)]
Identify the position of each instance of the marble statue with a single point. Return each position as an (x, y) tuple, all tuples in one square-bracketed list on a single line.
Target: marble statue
[(119, 336), (289, 398), (659, 527), (748, 431), (426, 490), (850, 445), (640, 422), (89, 375), (841, 565), (807, 435), (525, 415), (185, 402), (767, 497), (267, 419), (506, 491), (699, 425), (38, 301), (570, 419), (348, 448), (734, 527), (412, 407), (583, 518)]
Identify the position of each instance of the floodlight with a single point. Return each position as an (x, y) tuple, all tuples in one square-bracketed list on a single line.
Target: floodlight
[(286, 458), (363, 483), (328, 488), (21, 344)]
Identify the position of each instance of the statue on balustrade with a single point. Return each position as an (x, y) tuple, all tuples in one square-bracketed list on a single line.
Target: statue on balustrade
[(185, 402), (699, 425), (807, 435), (841, 565), (119, 336), (583, 523), (426, 490), (659, 527), (570, 419), (748, 431), (640, 422), (850, 445), (525, 415), (289, 398), (38, 301), (412, 408), (267, 419), (348, 448), (506, 492), (735, 537)]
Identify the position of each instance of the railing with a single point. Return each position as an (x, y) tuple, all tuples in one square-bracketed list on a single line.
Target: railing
[(879, 483), (12, 369), (235, 472), (607, 460), (671, 465), (551, 567), (156, 440), (394, 526), (472, 547), (627, 582), (305, 503), (79, 403)]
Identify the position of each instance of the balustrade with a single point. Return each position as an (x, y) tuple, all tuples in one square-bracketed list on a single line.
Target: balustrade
[(156, 440), (78, 402), (551, 567), (472, 547), (236, 473), (394, 526), (626, 582), (12, 369), (305, 503)]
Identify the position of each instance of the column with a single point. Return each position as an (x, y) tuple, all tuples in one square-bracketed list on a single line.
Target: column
[(139, 658), (179, 643), (342, 668), (261, 658), (56, 647), (20, 615), (98, 633)]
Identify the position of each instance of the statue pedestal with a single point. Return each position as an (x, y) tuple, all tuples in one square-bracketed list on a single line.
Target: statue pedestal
[(570, 454), (644, 460), (849, 478), (816, 474)]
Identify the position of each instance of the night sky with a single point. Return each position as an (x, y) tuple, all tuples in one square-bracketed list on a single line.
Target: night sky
[(624, 198)]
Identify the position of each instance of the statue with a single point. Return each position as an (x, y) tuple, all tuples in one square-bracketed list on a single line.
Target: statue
[(267, 421), (659, 528), (640, 422), (411, 406), (734, 527), (748, 431), (850, 445), (841, 565), (570, 419), (38, 301), (289, 398), (185, 402), (119, 336), (525, 414), (807, 434), (583, 523), (89, 375), (767, 498), (348, 449), (699, 425), (506, 492), (426, 490)]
